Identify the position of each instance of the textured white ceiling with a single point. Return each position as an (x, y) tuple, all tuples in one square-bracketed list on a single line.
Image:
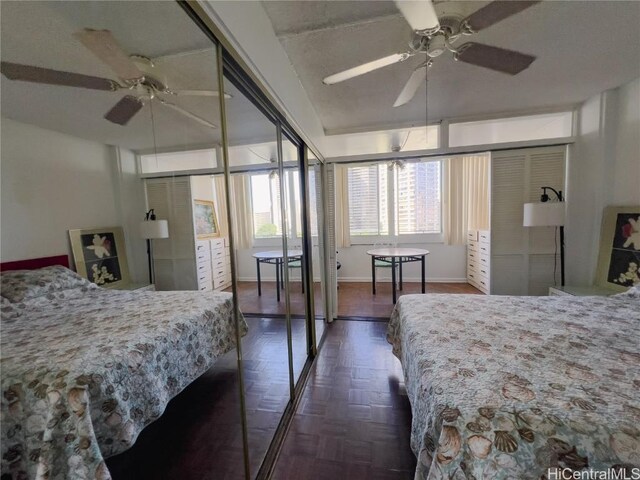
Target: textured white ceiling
[(583, 47), (40, 34)]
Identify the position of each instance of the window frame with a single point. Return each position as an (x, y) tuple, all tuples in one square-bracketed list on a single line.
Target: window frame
[(262, 241), (394, 237), (293, 207)]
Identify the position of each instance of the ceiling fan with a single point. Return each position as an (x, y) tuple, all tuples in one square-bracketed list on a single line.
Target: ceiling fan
[(433, 36), (135, 73)]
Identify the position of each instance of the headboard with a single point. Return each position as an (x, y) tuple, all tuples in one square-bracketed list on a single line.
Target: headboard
[(33, 263)]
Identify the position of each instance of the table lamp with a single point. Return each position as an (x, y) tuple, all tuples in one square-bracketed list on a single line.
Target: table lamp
[(548, 214)]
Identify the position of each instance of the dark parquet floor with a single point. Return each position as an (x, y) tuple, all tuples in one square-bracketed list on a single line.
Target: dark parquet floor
[(199, 435), (354, 419), (267, 303), (354, 298)]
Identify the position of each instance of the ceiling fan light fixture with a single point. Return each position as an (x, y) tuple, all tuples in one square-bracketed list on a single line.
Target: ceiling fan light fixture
[(420, 15), (437, 46)]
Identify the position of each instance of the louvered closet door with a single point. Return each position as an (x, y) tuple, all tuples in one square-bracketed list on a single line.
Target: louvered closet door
[(174, 256), (546, 168), (522, 257), (159, 198), (507, 235)]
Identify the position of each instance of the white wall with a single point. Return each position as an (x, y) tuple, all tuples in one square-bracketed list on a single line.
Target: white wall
[(248, 29), (625, 185), (128, 194), (445, 263), (603, 170), (246, 264), (53, 182)]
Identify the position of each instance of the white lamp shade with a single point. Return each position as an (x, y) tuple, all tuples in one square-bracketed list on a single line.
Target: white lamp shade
[(154, 229), (547, 214)]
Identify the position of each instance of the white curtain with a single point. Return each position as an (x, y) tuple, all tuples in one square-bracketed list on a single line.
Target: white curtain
[(465, 197), (242, 220), (341, 185), (221, 204)]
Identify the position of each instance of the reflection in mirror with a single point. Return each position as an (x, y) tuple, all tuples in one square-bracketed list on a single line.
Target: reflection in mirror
[(256, 205), (93, 95), (293, 214), (315, 192)]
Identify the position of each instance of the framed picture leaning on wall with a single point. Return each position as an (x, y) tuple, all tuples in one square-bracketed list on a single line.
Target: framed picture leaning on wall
[(100, 255), (619, 259), (204, 219)]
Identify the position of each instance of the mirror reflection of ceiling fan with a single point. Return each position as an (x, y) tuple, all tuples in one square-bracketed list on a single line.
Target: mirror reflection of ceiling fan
[(433, 36), (135, 73)]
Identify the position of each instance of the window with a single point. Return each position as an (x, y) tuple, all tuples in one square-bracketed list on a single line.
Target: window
[(368, 210), (417, 204), (313, 202), (265, 205), (401, 198)]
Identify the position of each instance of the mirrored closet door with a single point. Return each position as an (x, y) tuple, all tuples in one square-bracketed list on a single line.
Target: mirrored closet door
[(126, 97), (215, 199), (259, 226), (315, 202)]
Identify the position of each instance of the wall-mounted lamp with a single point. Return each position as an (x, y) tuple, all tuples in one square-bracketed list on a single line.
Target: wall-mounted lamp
[(548, 214), (150, 229)]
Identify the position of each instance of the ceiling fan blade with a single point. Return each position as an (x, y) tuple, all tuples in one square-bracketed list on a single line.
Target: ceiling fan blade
[(28, 73), (104, 46), (124, 110), (494, 58), (419, 14), (187, 113), (416, 79), (365, 68), (496, 12), (199, 93)]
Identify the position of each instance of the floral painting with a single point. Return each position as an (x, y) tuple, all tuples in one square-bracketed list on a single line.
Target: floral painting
[(620, 247), (100, 255), (204, 215)]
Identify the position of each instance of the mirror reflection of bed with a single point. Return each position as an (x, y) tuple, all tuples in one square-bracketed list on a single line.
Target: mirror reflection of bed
[(116, 359)]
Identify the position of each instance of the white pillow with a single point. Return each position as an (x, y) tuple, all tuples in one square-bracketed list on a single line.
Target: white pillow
[(633, 292)]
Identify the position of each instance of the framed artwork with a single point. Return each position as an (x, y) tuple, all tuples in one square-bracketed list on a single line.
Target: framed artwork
[(204, 216), (619, 259), (100, 255)]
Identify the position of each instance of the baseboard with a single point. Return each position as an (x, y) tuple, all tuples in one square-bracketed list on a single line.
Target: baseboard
[(404, 280), (362, 279), (270, 279)]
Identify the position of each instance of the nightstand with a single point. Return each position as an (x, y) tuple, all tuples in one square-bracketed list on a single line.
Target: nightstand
[(138, 287), (593, 290)]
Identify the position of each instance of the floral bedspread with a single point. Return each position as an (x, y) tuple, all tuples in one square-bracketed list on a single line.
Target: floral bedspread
[(507, 387), (84, 371)]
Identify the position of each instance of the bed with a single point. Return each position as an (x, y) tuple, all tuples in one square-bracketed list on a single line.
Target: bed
[(507, 387), (85, 369)]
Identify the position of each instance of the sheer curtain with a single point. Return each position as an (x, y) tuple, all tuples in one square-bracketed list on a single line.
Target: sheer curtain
[(221, 204), (465, 196), (341, 185), (241, 210)]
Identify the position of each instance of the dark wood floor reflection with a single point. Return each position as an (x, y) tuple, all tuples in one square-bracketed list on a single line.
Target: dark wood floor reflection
[(267, 303), (355, 299), (354, 419), (199, 435)]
